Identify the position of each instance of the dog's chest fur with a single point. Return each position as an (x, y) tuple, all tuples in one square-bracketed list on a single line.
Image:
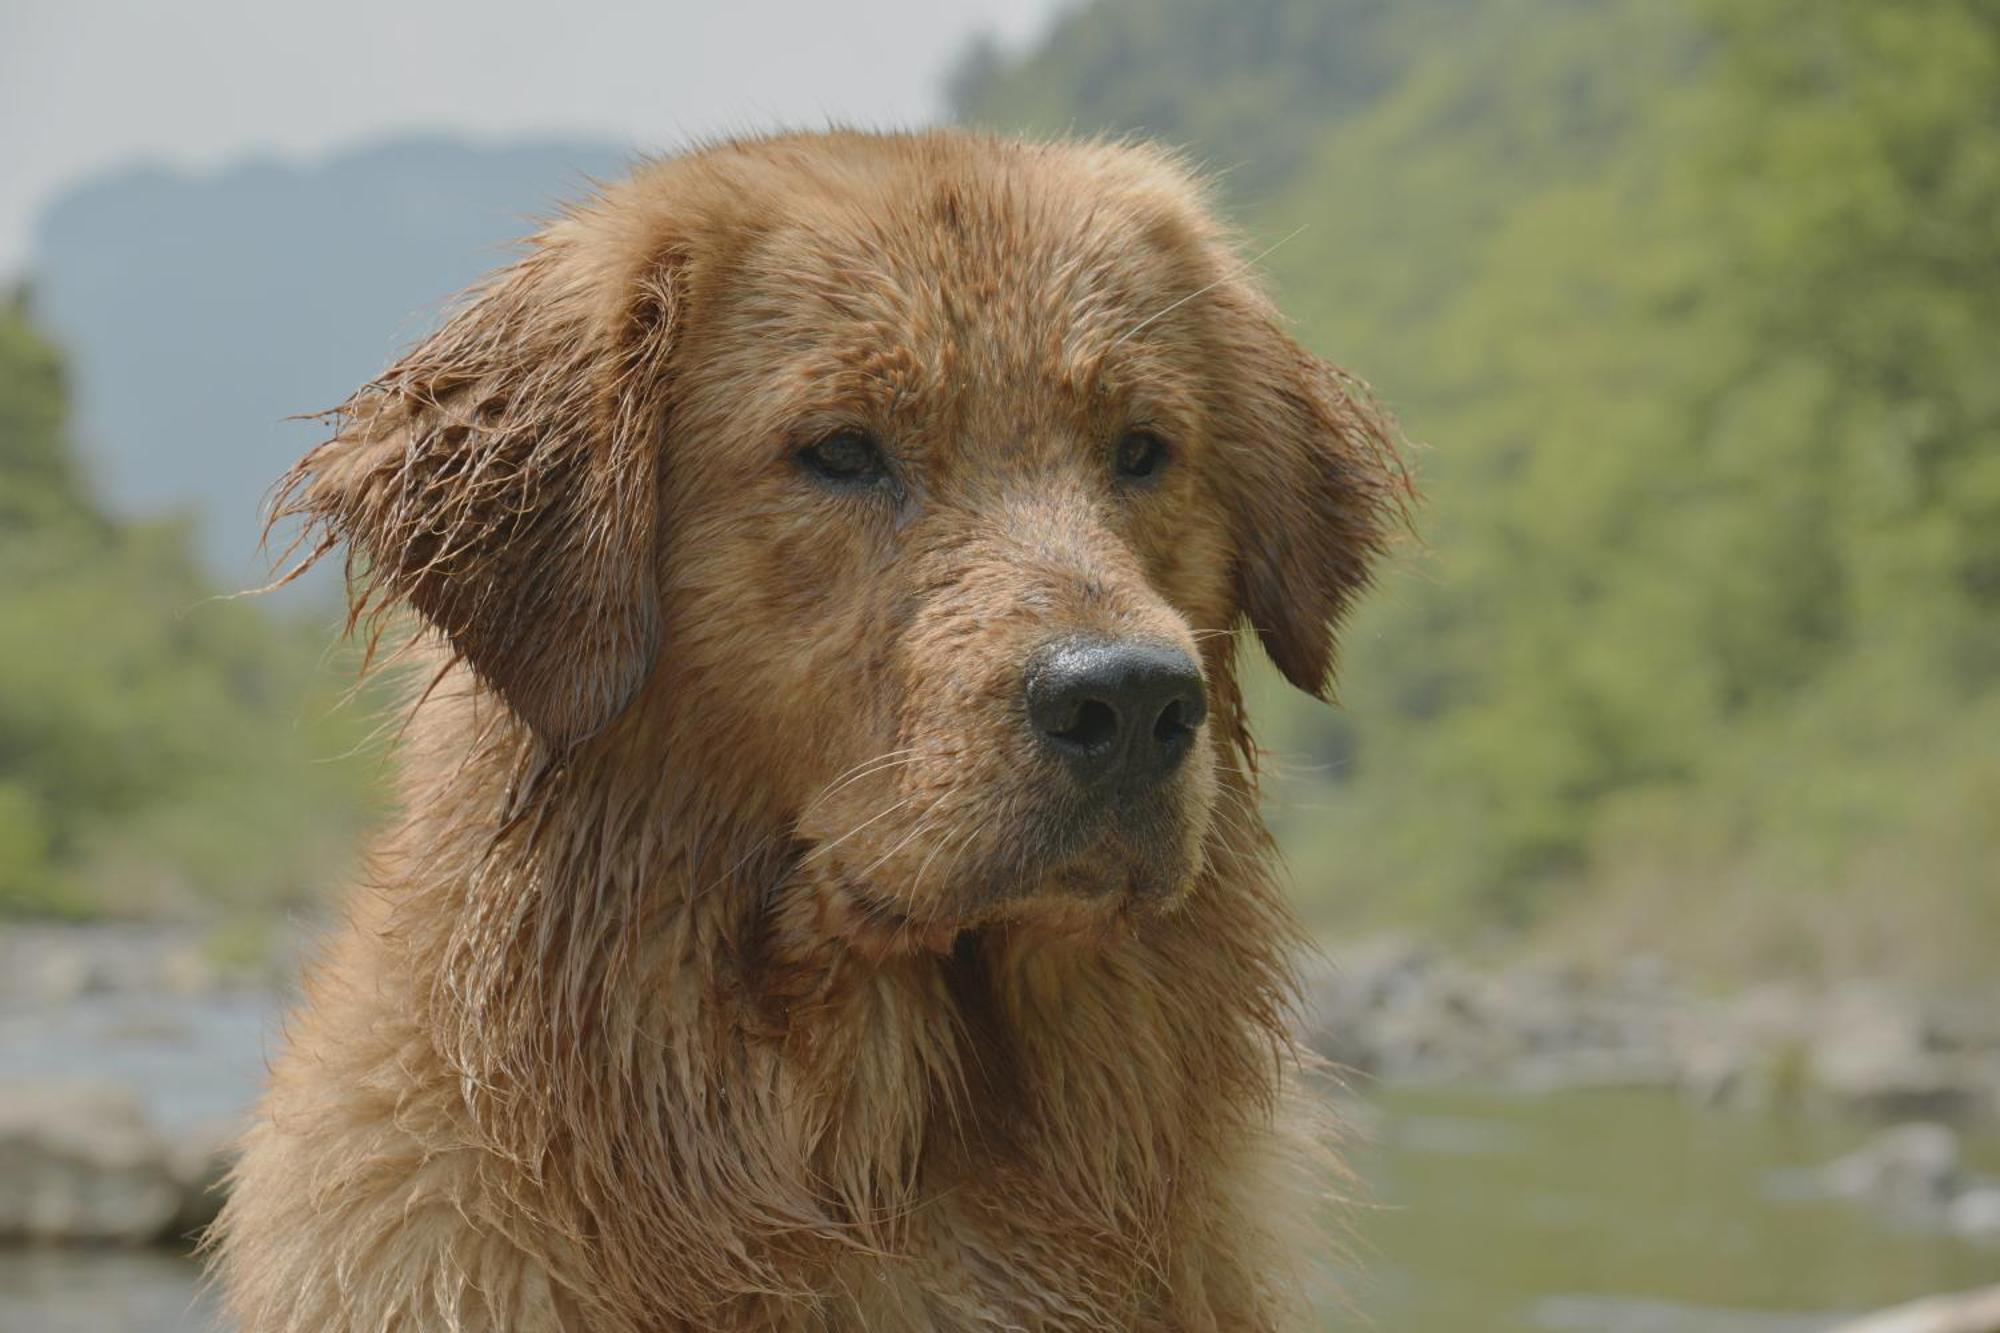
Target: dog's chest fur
[(1039, 1134)]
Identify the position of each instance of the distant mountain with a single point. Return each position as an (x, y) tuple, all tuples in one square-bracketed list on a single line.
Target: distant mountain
[(201, 310)]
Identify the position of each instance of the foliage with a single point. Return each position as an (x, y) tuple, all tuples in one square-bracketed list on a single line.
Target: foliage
[(1695, 305), (157, 743)]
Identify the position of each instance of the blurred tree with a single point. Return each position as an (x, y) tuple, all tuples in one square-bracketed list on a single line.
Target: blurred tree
[(39, 487), (156, 744)]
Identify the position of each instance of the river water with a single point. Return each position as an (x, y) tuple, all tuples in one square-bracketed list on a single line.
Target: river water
[(1485, 1212), (1626, 1212)]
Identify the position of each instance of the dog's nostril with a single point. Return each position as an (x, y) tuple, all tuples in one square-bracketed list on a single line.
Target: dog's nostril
[(1096, 726), (1118, 713)]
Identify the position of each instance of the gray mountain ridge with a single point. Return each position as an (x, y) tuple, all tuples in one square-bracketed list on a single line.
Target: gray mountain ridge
[(204, 311)]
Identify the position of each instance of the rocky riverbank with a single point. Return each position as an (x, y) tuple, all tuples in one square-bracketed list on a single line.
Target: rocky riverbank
[(128, 1057), (83, 1161), (1402, 1011), (1913, 1175)]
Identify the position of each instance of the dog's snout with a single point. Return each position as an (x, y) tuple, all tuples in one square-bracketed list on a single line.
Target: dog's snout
[(1119, 713)]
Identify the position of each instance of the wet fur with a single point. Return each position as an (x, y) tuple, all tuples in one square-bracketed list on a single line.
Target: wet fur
[(635, 1025)]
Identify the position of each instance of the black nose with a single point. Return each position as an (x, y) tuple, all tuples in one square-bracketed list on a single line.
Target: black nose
[(1120, 713)]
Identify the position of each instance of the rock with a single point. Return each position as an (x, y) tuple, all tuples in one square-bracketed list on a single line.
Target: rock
[(50, 964), (1975, 1214), (199, 1162), (186, 971), (1966, 1312), (1645, 975), (1437, 1029), (155, 1026), (1370, 1008), (1605, 1069), (59, 976), (1333, 1023), (79, 1161), (1397, 1008), (1930, 1086), (1776, 1013), (1725, 1069), (1717, 1073), (1872, 1052), (1912, 1169)]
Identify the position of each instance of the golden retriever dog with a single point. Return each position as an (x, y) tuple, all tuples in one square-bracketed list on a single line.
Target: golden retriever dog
[(828, 892)]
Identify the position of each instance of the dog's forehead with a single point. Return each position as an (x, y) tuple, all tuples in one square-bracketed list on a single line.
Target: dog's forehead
[(975, 277)]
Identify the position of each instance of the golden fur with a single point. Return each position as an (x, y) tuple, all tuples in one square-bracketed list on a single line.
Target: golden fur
[(736, 962)]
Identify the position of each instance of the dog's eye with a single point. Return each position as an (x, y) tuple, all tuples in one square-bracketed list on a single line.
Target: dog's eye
[(846, 458), (1141, 454)]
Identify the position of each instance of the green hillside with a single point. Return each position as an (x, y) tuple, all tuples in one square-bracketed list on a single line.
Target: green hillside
[(161, 751), (1693, 309)]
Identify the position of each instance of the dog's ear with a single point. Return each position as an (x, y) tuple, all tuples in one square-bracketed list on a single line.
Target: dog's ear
[(1319, 491), (502, 479)]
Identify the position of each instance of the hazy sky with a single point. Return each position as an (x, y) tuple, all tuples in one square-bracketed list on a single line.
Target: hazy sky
[(88, 84)]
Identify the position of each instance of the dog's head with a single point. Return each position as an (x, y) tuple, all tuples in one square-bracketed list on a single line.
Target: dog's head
[(905, 489)]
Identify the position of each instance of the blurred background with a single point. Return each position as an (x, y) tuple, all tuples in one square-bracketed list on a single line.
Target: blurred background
[(1656, 847)]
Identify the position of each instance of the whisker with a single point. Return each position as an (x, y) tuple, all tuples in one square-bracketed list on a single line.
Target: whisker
[(879, 815), (875, 764), (942, 843), (968, 838), (923, 826), (865, 768)]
